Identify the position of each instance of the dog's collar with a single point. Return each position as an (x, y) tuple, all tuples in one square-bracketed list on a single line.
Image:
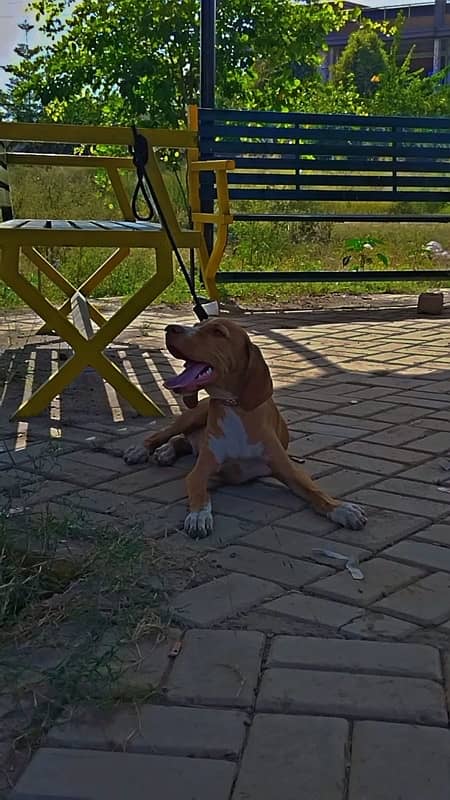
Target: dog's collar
[(226, 399)]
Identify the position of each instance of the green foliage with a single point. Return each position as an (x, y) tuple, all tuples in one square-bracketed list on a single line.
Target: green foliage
[(362, 247), (364, 58), (401, 90), (115, 61)]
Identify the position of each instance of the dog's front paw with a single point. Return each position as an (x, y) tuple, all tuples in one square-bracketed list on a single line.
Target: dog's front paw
[(137, 454), (165, 455), (349, 515), (199, 524)]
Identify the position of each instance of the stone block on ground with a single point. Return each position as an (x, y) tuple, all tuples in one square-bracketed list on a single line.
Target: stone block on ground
[(217, 667), (421, 554), (301, 545), (375, 658), (405, 762), (381, 577), (355, 696), (283, 569), (163, 730), (382, 529), (426, 602), (378, 626), (221, 598), (317, 610), (60, 774), (289, 758)]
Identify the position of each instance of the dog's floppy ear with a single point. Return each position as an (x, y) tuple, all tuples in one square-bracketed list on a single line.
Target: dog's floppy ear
[(258, 386)]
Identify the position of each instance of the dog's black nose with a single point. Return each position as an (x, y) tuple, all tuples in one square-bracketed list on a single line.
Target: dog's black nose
[(174, 329)]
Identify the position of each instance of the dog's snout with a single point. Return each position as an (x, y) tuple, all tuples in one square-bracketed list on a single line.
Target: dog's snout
[(175, 329)]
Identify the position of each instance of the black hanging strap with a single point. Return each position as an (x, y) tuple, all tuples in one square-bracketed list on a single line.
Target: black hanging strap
[(139, 151)]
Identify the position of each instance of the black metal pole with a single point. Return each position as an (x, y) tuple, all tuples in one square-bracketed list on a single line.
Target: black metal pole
[(207, 53), (207, 96)]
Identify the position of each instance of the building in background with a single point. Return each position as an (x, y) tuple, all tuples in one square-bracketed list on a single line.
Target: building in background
[(427, 27)]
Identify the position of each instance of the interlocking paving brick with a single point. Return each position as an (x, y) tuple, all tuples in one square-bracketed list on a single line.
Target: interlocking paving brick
[(349, 422), (378, 626), (404, 762), (260, 492), (400, 415), (248, 509), (332, 430), (217, 667), (345, 481), (355, 696), (346, 655), (360, 461), (220, 598), (163, 730), (398, 502), (397, 454), (366, 408), (301, 545), (294, 757), (141, 479), (280, 568), (436, 443), (426, 602), (308, 521), (401, 485), (429, 556), (67, 774), (305, 445), (437, 534), (430, 472), (109, 502), (381, 577), (395, 435), (312, 609), (382, 528)]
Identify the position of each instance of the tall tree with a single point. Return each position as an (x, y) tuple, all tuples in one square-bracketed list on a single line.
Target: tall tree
[(121, 60), (18, 100)]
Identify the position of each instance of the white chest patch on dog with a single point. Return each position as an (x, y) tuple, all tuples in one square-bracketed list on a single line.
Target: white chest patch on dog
[(234, 443)]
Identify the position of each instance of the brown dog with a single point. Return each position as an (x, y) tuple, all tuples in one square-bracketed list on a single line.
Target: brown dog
[(238, 434)]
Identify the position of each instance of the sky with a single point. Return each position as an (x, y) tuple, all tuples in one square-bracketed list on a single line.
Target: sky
[(11, 13)]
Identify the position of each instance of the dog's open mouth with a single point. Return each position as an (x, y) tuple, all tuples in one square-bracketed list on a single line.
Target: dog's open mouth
[(195, 376)]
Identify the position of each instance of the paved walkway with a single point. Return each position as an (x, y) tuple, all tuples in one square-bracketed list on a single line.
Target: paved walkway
[(294, 679)]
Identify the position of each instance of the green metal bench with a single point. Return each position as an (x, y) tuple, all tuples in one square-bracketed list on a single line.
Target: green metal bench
[(326, 158)]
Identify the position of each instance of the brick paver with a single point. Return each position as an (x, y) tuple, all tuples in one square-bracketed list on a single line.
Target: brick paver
[(367, 401)]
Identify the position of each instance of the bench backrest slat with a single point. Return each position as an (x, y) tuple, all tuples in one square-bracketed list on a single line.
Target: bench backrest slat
[(327, 157)]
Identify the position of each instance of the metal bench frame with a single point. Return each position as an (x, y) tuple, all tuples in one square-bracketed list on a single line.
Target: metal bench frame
[(286, 156)]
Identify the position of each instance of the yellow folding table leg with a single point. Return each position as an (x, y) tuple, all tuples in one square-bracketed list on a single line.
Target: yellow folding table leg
[(102, 272), (86, 352), (62, 283)]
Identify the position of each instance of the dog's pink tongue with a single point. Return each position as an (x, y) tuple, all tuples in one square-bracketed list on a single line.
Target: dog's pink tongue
[(187, 378)]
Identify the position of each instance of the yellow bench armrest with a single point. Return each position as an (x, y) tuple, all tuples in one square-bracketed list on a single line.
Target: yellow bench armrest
[(215, 166)]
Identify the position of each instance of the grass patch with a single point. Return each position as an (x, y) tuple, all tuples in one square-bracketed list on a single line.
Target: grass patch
[(80, 194), (77, 602)]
